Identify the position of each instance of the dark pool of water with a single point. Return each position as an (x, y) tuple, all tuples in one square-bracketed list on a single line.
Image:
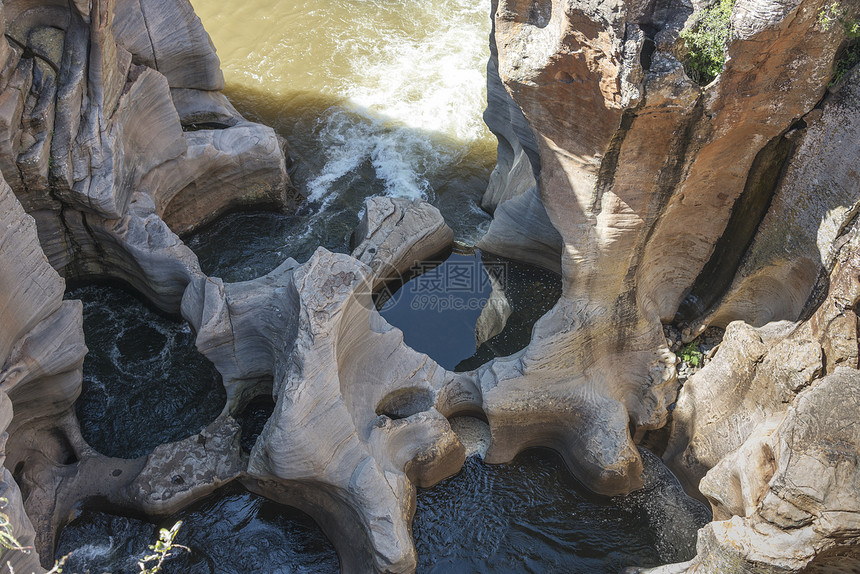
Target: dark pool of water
[(529, 516), (246, 245), (144, 383), (533, 516), (253, 418), (230, 532), (438, 309)]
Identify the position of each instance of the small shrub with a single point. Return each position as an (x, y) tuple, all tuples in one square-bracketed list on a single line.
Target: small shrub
[(833, 13), (690, 354), (849, 58), (706, 42), (161, 550)]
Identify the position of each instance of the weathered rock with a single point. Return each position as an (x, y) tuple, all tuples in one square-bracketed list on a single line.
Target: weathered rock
[(396, 234), (812, 205), (41, 350), (494, 316), (751, 377), (520, 228), (787, 499), (367, 434), (600, 99), (222, 169), (168, 36), (756, 373)]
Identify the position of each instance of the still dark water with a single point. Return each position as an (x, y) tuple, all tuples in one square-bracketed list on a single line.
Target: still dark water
[(144, 383), (529, 516), (438, 310)]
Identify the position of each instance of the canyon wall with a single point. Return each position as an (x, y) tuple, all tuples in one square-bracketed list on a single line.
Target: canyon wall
[(729, 205), (658, 200)]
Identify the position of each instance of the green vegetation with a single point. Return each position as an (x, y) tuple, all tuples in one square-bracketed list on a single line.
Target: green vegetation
[(7, 537), (849, 58), (706, 42), (162, 549), (831, 15), (690, 354)]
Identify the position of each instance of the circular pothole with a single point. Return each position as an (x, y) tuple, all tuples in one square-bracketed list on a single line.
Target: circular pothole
[(144, 381)]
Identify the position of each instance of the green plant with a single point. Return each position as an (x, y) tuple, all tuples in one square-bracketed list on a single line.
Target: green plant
[(161, 550), (849, 58), (691, 354), (833, 13), (830, 15), (10, 542), (7, 536), (705, 42)]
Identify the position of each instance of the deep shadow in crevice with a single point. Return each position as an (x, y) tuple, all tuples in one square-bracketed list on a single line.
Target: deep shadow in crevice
[(748, 212)]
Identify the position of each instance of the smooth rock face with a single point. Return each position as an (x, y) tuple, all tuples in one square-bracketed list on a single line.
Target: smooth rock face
[(639, 170), (93, 144), (814, 202), (395, 234), (363, 435), (588, 182), (41, 351), (520, 228)]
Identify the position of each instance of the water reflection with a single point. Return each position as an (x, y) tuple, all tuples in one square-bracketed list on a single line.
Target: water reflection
[(471, 307)]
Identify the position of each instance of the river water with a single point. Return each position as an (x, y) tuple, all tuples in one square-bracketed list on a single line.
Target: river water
[(373, 97)]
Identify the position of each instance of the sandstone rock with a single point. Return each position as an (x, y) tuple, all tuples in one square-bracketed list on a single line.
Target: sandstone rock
[(791, 491), (180, 473), (222, 169), (813, 204), (600, 87), (756, 373), (41, 349), (370, 434), (494, 316), (396, 234), (520, 228), (749, 380), (204, 108), (168, 36)]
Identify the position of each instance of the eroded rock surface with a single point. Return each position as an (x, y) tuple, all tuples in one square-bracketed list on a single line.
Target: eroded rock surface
[(611, 164), (368, 434), (41, 353), (786, 500)]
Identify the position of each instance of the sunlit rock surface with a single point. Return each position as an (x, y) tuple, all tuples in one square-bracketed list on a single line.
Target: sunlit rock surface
[(786, 500), (614, 168), (639, 171)]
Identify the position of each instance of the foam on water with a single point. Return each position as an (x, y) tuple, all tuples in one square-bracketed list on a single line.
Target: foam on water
[(435, 82), (405, 83)]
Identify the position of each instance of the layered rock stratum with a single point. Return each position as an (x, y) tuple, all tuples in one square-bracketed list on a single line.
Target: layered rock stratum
[(658, 200)]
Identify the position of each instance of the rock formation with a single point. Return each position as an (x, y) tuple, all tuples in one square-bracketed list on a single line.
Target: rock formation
[(731, 201), (656, 198), (786, 500)]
